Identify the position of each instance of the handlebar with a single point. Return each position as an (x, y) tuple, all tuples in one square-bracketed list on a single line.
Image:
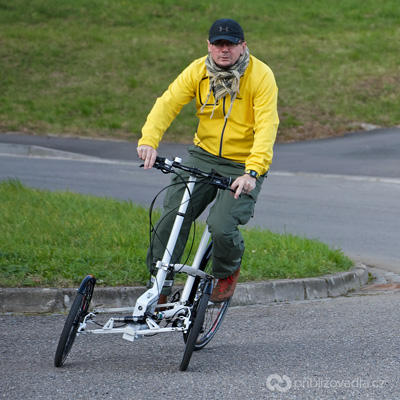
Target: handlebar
[(167, 166)]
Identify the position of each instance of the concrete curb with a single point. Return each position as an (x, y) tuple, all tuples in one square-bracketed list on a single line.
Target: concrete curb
[(39, 151), (50, 300), (300, 289)]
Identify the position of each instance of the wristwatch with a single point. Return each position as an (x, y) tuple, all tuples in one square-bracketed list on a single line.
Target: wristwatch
[(252, 173)]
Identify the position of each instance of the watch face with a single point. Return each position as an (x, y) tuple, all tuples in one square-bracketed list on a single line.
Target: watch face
[(252, 173)]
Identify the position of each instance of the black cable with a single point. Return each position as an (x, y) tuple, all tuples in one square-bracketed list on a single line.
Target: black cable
[(212, 178), (207, 181), (152, 228)]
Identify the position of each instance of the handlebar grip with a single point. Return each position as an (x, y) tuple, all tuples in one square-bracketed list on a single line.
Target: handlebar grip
[(160, 161)]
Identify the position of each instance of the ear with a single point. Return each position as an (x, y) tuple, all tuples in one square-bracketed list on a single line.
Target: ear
[(208, 45)]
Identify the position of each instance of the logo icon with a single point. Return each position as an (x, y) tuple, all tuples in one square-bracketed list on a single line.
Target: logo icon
[(279, 383), (224, 29)]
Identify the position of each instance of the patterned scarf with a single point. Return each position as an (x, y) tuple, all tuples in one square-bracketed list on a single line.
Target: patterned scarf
[(225, 81)]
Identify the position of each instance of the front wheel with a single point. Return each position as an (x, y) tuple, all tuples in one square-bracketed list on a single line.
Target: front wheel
[(199, 311), (78, 312)]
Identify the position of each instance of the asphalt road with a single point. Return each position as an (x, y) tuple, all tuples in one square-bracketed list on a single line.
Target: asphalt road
[(343, 191), (343, 348), (375, 153)]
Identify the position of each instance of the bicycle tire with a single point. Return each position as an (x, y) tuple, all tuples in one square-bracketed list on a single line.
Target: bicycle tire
[(199, 310), (215, 312), (76, 315)]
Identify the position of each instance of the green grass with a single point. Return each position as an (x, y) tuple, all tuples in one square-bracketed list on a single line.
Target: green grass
[(56, 238), (95, 67)]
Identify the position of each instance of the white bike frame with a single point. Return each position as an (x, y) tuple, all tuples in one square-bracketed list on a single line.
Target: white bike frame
[(146, 304)]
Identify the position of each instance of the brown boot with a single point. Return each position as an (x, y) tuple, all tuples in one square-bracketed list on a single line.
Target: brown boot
[(224, 288), (162, 300)]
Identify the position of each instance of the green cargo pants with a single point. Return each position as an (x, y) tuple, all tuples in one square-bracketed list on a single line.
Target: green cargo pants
[(226, 214)]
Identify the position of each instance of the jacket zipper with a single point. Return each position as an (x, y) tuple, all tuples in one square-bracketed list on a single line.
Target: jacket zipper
[(223, 129)]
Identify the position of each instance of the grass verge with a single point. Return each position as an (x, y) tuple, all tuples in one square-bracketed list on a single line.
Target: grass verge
[(95, 68), (54, 239)]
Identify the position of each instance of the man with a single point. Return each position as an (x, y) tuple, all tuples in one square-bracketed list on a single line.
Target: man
[(236, 101)]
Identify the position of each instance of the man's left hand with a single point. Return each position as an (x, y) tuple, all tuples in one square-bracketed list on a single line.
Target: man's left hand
[(243, 184)]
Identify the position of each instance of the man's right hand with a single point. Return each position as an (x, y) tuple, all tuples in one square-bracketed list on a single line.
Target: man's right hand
[(148, 155)]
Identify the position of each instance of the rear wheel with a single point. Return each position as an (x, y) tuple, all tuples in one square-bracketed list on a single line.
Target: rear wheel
[(78, 312), (215, 312), (213, 318)]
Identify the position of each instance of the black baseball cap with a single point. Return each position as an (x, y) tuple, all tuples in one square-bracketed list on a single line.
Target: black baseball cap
[(227, 29)]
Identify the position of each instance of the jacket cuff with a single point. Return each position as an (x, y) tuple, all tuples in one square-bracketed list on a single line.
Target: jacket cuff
[(148, 142)]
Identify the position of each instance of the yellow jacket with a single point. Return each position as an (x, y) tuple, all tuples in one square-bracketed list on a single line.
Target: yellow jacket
[(247, 136)]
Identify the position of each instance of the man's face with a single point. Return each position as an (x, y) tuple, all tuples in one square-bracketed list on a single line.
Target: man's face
[(225, 53)]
